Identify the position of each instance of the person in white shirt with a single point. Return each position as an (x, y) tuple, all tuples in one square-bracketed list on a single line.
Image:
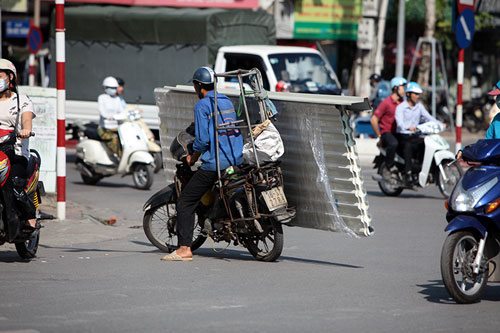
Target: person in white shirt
[(16, 115), (109, 105)]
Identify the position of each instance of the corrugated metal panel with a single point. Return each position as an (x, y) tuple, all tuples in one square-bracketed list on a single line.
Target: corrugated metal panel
[(316, 132)]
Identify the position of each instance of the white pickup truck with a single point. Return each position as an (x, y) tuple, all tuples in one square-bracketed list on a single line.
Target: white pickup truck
[(283, 68)]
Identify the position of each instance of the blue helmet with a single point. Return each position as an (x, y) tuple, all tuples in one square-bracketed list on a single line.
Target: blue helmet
[(204, 75), (414, 88), (398, 81)]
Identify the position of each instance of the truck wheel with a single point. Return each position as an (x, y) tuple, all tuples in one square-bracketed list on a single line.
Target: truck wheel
[(143, 176)]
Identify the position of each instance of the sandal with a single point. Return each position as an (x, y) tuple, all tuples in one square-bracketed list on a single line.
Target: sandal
[(28, 229)]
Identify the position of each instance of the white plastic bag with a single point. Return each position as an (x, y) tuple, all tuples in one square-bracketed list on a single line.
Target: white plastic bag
[(268, 144)]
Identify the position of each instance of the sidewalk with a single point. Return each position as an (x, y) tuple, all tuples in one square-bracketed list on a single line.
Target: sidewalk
[(81, 225), (367, 148)]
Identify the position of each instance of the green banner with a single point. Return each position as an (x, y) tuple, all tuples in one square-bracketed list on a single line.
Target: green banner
[(328, 19)]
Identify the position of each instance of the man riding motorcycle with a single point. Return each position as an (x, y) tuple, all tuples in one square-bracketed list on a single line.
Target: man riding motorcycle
[(408, 116), (384, 117), (230, 152)]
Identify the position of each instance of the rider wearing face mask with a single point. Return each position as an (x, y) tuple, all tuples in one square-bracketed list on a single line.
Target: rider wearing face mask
[(230, 154), (16, 110), (109, 105)]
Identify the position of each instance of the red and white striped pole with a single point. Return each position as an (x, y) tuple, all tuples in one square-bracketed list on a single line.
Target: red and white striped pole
[(61, 100), (460, 82)]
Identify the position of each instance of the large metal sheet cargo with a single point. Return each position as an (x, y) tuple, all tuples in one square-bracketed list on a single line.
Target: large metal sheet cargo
[(320, 165)]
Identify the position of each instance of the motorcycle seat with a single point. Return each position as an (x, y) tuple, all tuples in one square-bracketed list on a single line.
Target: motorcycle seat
[(91, 133)]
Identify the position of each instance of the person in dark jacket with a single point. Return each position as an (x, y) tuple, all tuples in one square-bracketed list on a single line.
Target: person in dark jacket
[(230, 154)]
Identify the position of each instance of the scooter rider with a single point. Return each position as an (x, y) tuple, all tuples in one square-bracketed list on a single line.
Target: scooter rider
[(109, 105), (493, 131), (408, 115), (16, 110), (230, 154), (384, 116)]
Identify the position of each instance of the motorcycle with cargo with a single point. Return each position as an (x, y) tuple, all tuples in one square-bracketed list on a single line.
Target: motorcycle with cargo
[(246, 205)]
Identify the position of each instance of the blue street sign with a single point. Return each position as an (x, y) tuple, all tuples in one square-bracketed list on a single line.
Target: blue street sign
[(34, 39), (17, 28), (465, 28)]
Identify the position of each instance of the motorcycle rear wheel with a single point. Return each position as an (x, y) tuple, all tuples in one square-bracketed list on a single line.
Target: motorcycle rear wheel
[(386, 187), (158, 161), (268, 245), (27, 249), (453, 173), (160, 227), (90, 180), (457, 257), (143, 176)]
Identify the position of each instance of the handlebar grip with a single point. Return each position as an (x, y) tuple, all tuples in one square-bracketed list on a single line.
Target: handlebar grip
[(31, 134)]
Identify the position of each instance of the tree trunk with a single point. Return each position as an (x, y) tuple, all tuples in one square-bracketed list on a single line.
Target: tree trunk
[(430, 25)]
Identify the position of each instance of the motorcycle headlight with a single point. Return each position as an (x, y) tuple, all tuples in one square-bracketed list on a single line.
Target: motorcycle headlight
[(465, 201)]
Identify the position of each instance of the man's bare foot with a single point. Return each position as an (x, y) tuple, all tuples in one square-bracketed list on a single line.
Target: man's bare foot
[(184, 252), (32, 222)]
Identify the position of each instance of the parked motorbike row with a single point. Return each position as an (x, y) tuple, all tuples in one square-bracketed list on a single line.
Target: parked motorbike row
[(141, 154)]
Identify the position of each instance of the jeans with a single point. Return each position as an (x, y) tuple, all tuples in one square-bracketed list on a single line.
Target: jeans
[(201, 182)]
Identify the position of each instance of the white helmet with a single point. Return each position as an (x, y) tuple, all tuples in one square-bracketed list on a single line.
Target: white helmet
[(110, 82), (6, 65)]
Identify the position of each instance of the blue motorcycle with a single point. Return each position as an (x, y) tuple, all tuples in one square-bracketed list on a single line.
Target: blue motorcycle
[(470, 253)]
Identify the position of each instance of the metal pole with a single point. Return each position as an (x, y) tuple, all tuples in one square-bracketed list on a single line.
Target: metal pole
[(379, 59), (433, 79), (36, 23), (61, 117), (460, 82), (0, 30), (400, 48)]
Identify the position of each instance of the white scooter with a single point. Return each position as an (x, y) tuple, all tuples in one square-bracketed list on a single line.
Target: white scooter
[(95, 161), (435, 166)]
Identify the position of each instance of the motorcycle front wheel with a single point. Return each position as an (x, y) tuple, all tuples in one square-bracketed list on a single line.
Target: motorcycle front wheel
[(143, 176), (160, 227), (28, 248), (391, 184), (453, 174), (457, 258)]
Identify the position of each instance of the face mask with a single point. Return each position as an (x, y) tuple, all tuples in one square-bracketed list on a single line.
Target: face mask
[(110, 91), (497, 100), (3, 85)]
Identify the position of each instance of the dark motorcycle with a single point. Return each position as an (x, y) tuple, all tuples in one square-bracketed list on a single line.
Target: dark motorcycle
[(18, 195), (248, 210), (470, 254)]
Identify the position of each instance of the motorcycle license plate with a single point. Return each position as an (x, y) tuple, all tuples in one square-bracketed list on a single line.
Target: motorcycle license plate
[(275, 198)]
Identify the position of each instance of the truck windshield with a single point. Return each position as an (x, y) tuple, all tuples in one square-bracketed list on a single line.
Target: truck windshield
[(305, 72)]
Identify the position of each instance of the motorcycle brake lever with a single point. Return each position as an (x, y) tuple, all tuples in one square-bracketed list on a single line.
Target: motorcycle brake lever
[(452, 162)]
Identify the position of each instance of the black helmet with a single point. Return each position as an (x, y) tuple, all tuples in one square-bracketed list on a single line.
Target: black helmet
[(204, 75), (182, 145), (375, 77)]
